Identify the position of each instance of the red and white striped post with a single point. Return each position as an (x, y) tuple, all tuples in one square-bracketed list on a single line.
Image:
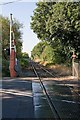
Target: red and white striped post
[(12, 50)]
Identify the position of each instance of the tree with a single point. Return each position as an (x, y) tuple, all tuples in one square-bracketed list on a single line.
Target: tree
[(6, 35), (37, 50), (38, 21), (48, 54), (58, 21), (45, 52), (64, 24)]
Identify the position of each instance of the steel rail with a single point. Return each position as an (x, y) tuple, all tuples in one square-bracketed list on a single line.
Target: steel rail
[(53, 75), (53, 109)]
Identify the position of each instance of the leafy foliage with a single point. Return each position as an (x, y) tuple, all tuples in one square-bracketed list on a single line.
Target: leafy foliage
[(23, 63), (64, 24), (38, 23), (5, 68), (24, 60), (58, 23), (25, 55), (45, 52), (37, 50)]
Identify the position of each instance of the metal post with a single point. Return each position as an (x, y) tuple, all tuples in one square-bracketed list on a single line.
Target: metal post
[(73, 67), (10, 31)]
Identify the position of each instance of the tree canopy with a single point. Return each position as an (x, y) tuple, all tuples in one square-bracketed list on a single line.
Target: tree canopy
[(58, 22)]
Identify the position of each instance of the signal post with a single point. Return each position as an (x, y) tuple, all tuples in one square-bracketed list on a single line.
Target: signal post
[(12, 50)]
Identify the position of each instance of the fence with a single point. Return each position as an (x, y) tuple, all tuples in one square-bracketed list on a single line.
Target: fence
[(76, 69)]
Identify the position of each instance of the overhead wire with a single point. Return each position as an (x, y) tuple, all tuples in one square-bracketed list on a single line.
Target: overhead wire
[(10, 2)]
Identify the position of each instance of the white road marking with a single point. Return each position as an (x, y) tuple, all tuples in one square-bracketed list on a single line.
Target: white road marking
[(16, 92)]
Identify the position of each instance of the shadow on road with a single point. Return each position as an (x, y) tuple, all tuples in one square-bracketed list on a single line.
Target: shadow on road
[(17, 99)]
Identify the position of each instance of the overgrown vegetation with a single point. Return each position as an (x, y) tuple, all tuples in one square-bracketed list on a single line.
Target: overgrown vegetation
[(24, 60), (58, 24), (5, 68), (44, 52)]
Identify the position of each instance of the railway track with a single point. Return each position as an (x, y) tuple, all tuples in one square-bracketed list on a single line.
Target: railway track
[(74, 89), (54, 110), (53, 75)]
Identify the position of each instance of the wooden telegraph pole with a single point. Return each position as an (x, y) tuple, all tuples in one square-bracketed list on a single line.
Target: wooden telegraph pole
[(12, 49)]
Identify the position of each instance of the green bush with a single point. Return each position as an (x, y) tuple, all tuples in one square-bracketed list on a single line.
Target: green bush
[(25, 55), (5, 68), (24, 63)]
